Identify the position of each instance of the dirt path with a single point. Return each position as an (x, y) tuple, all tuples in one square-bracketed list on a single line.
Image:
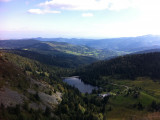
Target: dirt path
[(120, 86)]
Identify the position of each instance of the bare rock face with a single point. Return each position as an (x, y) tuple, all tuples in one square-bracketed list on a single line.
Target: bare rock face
[(13, 91), (50, 101), (10, 97)]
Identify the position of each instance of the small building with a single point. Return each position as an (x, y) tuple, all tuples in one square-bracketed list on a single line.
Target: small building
[(104, 95)]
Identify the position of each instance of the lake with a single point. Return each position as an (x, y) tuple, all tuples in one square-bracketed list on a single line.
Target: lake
[(78, 83)]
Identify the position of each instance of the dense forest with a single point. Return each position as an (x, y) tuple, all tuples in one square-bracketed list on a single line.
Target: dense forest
[(124, 67), (61, 60)]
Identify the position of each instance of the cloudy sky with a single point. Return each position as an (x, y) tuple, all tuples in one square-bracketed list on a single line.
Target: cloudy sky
[(78, 18)]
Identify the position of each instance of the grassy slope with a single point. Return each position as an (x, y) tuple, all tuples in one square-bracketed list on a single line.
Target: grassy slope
[(83, 50), (122, 105), (12, 74), (147, 84)]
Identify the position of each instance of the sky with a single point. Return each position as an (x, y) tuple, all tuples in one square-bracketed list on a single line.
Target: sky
[(78, 18)]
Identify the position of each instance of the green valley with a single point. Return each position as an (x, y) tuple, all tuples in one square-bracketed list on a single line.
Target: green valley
[(128, 86), (59, 48)]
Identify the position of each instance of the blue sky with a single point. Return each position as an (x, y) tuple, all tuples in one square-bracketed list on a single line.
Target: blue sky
[(78, 18)]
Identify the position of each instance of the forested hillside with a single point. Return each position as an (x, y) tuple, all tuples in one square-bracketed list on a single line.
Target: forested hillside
[(59, 60), (124, 67), (30, 90), (14, 44)]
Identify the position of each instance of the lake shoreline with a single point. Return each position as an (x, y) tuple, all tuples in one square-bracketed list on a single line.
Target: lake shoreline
[(78, 83)]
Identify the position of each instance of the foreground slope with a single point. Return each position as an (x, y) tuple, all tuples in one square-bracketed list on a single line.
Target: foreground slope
[(20, 92), (30, 90)]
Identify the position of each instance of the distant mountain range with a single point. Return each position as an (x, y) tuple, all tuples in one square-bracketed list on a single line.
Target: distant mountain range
[(95, 48), (127, 44), (148, 51)]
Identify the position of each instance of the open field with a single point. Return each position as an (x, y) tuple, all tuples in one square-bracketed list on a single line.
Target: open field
[(125, 107)]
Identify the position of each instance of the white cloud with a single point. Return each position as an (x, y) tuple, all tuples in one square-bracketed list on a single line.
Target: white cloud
[(39, 11), (97, 4), (92, 5), (87, 15), (120, 4), (5, 0), (35, 11), (87, 4)]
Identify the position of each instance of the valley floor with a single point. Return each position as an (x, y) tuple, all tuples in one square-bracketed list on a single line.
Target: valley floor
[(126, 105)]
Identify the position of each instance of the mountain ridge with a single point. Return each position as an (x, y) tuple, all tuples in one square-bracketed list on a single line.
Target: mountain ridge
[(120, 44)]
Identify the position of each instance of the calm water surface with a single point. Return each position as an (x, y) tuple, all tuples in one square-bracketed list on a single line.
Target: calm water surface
[(78, 83)]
